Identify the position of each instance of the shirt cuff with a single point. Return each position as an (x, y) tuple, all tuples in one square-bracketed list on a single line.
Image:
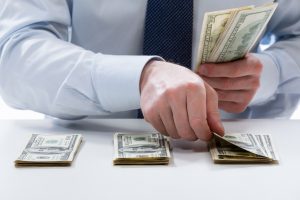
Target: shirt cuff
[(117, 81), (269, 79)]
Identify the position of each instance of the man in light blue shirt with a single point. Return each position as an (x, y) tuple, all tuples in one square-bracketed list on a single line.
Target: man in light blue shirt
[(73, 59)]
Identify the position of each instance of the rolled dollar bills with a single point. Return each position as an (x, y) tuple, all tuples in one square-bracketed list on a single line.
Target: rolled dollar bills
[(49, 150), (141, 149)]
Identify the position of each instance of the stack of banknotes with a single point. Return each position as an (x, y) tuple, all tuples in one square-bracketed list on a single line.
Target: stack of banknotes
[(147, 149), (141, 149), (229, 35), (49, 150), (243, 148)]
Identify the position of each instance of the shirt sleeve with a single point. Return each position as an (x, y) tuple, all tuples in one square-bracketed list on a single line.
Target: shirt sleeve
[(41, 71), (281, 61)]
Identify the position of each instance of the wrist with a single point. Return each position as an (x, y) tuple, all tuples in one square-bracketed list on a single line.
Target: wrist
[(147, 71)]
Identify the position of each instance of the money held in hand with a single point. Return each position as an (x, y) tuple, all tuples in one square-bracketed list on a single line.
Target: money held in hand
[(243, 148), (49, 150), (141, 149), (229, 35)]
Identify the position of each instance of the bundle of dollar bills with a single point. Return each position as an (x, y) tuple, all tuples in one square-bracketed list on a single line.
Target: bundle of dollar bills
[(229, 35), (141, 149), (49, 150), (243, 148)]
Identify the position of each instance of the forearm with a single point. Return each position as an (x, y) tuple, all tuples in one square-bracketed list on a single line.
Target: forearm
[(41, 72)]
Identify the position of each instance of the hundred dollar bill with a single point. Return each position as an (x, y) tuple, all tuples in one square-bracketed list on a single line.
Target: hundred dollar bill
[(243, 148), (49, 150), (230, 34), (213, 26), (242, 34), (141, 149)]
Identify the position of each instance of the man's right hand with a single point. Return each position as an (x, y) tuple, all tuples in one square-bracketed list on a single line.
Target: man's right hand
[(178, 103)]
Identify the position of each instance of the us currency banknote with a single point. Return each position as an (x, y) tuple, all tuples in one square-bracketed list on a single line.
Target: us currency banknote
[(214, 24), (141, 149), (243, 148), (230, 34), (49, 150)]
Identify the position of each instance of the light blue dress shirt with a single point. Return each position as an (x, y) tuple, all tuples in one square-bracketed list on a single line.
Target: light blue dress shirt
[(72, 59)]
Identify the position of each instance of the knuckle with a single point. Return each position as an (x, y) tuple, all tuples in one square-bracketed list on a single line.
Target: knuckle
[(160, 106), (209, 70), (170, 93), (187, 134), (256, 83), (256, 64), (242, 97), (194, 123), (227, 83), (236, 72), (248, 96), (192, 85), (258, 67), (244, 100), (201, 128), (222, 95)]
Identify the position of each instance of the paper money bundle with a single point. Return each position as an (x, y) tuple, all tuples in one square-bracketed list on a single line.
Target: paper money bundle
[(243, 148), (229, 35), (49, 150), (141, 149)]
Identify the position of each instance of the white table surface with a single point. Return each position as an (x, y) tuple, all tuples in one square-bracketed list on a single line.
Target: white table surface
[(191, 175)]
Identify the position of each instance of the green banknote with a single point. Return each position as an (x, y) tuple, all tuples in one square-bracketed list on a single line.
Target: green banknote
[(49, 150), (141, 149)]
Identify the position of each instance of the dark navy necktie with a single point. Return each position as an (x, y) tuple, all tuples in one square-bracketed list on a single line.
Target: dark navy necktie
[(168, 31)]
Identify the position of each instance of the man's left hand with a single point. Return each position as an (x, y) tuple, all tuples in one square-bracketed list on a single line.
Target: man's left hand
[(235, 82)]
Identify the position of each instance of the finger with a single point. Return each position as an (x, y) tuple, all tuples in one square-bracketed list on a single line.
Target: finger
[(196, 108), (166, 116), (240, 83), (232, 107), (178, 106), (245, 67), (157, 123), (213, 114), (237, 96)]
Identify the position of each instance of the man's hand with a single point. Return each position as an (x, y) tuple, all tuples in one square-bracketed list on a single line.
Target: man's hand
[(235, 82), (178, 103)]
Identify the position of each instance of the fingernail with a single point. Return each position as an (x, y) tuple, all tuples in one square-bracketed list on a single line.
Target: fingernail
[(222, 129)]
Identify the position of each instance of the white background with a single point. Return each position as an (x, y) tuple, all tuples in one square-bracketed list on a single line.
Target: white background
[(7, 112)]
